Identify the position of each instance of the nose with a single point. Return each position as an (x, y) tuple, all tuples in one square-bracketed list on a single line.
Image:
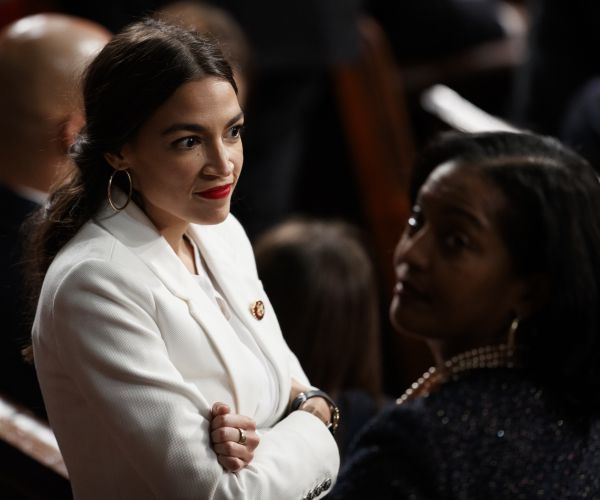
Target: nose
[(414, 249), (219, 161)]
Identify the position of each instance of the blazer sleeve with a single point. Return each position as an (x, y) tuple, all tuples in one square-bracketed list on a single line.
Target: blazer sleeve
[(102, 323)]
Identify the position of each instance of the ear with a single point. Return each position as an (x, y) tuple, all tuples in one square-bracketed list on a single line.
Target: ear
[(534, 294), (116, 160)]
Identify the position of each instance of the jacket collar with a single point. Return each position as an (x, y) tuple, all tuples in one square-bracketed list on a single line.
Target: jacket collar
[(239, 286), (239, 283)]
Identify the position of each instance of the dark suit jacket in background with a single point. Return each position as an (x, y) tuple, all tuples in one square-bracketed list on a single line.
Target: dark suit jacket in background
[(17, 378)]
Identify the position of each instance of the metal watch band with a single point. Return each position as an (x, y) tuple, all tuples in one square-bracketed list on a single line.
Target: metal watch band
[(301, 398)]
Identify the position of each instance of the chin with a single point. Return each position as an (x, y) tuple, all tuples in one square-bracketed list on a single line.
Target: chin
[(401, 327), (212, 218), (406, 325), (398, 316), (213, 221)]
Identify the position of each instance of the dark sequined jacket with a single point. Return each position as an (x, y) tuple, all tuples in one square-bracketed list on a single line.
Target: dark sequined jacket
[(492, 434)]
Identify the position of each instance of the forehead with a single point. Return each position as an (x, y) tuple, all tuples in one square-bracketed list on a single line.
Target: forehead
[(199, 101), (455, 186)]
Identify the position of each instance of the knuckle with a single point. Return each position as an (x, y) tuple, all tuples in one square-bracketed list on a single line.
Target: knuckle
[(230, 448), (221, 434), (250, 424), (217, 422), (227, 463)]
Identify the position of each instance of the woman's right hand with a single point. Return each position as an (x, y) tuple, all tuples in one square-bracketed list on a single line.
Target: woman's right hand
[(226, 431)]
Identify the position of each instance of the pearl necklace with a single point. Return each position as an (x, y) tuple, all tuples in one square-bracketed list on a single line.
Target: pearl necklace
[(495, 356)]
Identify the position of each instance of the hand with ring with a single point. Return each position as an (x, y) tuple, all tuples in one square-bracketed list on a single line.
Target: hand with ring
[(233, 438)]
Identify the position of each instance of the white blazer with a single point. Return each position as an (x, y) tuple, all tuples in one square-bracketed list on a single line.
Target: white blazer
[(131, 354)]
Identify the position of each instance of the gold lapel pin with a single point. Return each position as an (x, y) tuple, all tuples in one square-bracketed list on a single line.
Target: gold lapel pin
[(258, 309)]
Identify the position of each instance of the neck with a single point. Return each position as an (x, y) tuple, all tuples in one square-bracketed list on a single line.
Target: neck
[(182, 247), (172, 229), (443, 350), (486, 357), (174, 237)]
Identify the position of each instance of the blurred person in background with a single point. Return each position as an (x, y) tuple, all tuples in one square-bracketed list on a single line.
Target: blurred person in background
[(426, 29), (561, 61), (222, 26), (321, 283), (580, 126), (557, 91), (498, 271), (42, 58)]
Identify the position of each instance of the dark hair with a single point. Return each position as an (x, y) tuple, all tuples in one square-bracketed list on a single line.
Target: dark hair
[(208, 18), (321, 283), (136, 72), (551, 226)]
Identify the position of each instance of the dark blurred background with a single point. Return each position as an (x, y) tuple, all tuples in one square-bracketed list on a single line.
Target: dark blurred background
[(335, 109), (339, 99)]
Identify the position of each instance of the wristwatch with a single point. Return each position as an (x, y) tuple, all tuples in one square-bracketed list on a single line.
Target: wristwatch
[(301, 398)]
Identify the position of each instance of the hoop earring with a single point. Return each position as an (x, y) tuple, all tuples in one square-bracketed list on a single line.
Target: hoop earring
[(514, 326), (109, 190)]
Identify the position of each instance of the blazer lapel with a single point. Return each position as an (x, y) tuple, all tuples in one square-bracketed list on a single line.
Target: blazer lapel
[(241, 288), (132, 228)]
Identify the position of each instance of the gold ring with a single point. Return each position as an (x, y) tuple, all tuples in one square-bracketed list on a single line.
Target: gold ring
[(242, 438)]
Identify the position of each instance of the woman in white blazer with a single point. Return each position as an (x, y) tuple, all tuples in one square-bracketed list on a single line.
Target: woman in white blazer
[(161, 362)]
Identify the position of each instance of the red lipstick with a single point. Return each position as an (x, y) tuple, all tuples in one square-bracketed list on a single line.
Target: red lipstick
[(216, 193)]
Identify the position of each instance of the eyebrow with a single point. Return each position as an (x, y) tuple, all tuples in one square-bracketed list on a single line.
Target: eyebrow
[(195, 127), (460, 212)]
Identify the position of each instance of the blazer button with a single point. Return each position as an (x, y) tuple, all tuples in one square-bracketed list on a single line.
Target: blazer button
[(258, 309)]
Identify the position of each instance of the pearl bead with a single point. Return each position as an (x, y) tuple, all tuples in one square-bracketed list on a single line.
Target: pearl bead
[(494, 356)]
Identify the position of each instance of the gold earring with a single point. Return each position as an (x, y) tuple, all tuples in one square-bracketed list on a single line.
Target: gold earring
[(109, 190), (514, 326)]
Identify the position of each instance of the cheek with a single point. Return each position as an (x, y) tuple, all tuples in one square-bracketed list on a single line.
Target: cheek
[(461, 289), (475, 302), (237, 158), (159, 177)]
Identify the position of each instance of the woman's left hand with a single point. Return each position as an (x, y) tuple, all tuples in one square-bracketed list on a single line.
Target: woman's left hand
[(233, 437)]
